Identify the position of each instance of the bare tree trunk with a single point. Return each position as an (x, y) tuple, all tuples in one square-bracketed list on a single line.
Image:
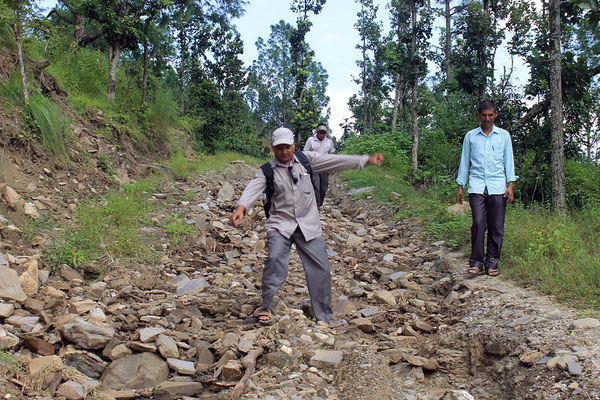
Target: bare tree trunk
[(414, 149), (114, 50), (448, 40), (17, 30), (183, 49), (145, 74), (558, 156), (396, 100)]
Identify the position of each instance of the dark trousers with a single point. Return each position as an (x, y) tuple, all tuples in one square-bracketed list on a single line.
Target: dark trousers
[(488, 214), (320, 183), (313, 254)]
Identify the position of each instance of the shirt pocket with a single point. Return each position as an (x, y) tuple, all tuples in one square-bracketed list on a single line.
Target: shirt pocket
[(498, 152), (305, 183)]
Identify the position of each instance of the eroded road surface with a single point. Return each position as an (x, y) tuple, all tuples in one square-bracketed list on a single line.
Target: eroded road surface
[(413, 324)]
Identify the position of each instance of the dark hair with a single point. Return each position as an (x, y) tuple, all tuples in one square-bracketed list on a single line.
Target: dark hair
[(321, 123), (488, 104)]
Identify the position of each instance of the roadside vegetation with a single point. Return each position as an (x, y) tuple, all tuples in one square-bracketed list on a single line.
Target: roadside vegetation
[(555, 254)]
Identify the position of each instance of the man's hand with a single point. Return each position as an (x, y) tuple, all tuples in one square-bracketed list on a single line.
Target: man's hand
[(238, 215), (509, 194), (376, 159), (459, 195)]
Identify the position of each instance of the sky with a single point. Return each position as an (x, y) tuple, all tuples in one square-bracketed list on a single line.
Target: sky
[(333, 39)]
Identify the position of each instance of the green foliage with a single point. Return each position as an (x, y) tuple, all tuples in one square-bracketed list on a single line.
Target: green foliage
[(177, 228), (583, 183), (9, 357), (556, 254), (10, 90), (393, 146), (183, 167), (106, 226), (50, 123)]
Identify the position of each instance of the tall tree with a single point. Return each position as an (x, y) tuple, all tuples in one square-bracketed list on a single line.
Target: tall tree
[(302, 57), (558, 155), (17, 9), (420, 34), (367, 108)]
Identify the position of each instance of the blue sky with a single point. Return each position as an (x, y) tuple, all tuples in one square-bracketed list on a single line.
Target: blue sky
[(332, 37)]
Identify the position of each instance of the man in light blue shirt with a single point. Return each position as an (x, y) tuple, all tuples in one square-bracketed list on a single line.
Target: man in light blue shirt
[(487, 160)]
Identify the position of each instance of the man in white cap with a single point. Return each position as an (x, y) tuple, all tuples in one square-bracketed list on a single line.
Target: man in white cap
[(294, 218), (320, 143)]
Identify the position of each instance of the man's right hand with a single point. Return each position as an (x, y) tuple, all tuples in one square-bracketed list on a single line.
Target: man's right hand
[(459, 195), (238, 215), (376, 159)]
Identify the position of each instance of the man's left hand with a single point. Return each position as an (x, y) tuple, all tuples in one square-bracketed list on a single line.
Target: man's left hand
[(376, 159), (509, 194)]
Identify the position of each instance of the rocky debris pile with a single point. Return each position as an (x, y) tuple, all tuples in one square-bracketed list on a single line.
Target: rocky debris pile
[(411, 325)]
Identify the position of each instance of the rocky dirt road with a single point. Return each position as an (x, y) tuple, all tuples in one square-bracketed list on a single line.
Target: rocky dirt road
[(413, 325)]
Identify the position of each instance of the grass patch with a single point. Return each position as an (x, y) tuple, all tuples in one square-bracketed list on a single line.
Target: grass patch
[(184, 167), (106, 226), (50, 123), (178, 229)]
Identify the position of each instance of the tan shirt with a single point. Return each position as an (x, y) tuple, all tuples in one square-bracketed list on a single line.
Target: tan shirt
[(294, 205)]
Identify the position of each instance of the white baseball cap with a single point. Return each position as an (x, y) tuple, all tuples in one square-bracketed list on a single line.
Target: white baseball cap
[(282, 136)]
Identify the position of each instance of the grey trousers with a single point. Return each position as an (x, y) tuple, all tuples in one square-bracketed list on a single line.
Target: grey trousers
[(320, 183), (313, 254), (488, 214)]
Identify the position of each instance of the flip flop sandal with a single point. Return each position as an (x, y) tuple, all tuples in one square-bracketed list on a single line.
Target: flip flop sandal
[(265, 317), (473, 270), (493, 272)]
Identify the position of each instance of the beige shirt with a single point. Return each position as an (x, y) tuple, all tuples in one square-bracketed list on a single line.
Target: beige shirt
[(294, 205)]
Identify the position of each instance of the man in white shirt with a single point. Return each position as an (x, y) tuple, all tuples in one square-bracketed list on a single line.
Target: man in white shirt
[(320, 143)]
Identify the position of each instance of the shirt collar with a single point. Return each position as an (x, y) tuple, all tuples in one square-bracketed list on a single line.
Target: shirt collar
[(495, 129)]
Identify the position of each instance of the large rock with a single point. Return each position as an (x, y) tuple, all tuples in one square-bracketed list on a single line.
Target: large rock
[(226, 193), (141, 371), (326, 358), (10, 286), (11, 198), (170, 390), (459, 209), (86, 334), (29, 279)]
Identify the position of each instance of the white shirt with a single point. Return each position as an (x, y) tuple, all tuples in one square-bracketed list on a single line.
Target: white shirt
[(324, 146)]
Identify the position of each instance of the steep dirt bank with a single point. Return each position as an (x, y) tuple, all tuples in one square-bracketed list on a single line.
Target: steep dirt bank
[(414, 326)]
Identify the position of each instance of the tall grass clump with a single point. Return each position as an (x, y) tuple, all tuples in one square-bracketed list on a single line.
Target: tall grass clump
[(11, 90), (51, 124), (557, 254), (106, 226)]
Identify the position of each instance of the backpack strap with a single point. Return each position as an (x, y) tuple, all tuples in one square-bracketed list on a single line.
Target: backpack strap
[(304, 161), (270, 186)]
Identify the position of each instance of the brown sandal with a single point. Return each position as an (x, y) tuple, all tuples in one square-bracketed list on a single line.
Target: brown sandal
[(265, 317), (474, 270)]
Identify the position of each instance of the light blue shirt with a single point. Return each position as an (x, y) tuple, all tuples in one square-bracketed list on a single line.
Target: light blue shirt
[(487, 161)]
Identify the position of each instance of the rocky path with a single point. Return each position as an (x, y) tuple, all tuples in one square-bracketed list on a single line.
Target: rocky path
[(413, 325)]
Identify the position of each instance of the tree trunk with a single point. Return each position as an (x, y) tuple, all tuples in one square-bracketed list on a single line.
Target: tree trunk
[(414, 149), (448, 42), (558, 156), (396, 101), (145, 74), (183, 50), (17, 29), (114, 50), (482, 54)]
